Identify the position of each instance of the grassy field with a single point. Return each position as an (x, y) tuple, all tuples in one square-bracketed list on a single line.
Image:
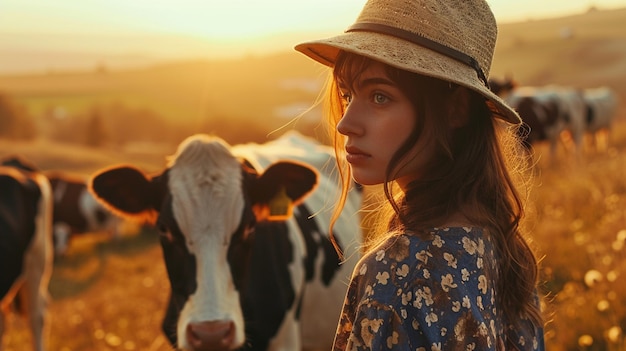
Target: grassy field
[(111, 294), (105, 295), (579, 227)]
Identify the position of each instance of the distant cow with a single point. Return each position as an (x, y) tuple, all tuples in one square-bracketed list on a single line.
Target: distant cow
[(547, 111), (601, 106), (76, 210), (245, 272), (502, 87), (25, 244)]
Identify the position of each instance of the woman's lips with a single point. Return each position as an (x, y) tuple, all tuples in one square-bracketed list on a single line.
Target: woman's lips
[(355, 155)]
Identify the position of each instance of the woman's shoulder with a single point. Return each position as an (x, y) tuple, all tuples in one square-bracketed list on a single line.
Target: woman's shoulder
[(439, 237), (435, 243), (443, 258), (456, 230)]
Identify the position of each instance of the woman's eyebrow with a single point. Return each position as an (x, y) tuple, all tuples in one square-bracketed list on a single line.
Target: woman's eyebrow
[(365, 82), (375, 81)]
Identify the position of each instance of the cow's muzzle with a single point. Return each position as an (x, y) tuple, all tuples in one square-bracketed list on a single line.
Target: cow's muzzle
[(211, 336)]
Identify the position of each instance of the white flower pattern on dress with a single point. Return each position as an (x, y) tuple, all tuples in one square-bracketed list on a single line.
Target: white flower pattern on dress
[(363, 269), (413, 294), (382, 277), (447, 282), (403, 271), (450, 258), (465, 275)]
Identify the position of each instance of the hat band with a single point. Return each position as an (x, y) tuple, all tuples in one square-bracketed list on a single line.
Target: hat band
[(422, 41)]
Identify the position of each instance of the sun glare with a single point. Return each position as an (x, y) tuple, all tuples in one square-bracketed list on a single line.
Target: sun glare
[(139, 30), (211, 19), (230, 19)]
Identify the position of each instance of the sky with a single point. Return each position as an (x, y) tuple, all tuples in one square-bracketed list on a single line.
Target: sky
[(211, 28), (224, 19)]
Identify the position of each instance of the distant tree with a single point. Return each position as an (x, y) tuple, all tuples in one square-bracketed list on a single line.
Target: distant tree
[(101, 68), (95, 133), (116, 124), (237, 129), (15, 123), (8, 118)]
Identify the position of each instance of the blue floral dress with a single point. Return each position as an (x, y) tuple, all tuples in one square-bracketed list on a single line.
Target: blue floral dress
[(428, 295)]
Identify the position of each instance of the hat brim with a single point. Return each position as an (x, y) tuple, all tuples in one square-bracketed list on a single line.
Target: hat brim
[(407, 56)]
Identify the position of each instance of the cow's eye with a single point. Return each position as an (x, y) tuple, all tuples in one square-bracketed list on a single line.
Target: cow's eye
[(249, 227), (249, 230), (164, 231)]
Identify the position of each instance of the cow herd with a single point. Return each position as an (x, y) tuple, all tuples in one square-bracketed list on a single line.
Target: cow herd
[(244, 232), (557, 114)]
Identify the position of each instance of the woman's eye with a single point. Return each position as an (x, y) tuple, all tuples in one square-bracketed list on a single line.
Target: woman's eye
[(380, 98)]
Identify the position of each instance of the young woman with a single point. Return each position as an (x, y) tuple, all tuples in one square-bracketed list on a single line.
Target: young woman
[(411, 109)]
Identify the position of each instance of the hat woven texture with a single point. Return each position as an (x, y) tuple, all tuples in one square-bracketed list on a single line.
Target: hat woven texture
[(466, 28)]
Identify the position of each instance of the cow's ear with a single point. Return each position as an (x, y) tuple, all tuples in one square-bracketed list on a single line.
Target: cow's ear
[(297, 179), (282, 185), (126, 191)]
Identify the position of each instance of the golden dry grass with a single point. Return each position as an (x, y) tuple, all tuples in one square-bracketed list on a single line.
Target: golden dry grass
[(579, 228), (105, 295), (111, 295)]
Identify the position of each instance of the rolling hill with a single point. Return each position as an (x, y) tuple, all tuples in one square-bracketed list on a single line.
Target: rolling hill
[(583, 50)]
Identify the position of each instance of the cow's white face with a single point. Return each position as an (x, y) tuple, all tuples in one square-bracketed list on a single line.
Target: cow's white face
[(204, 204), (207, 203)]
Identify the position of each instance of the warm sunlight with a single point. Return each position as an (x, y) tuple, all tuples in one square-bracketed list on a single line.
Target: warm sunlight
[(125, 33), (210, 19), (90, 85), (230, 19)]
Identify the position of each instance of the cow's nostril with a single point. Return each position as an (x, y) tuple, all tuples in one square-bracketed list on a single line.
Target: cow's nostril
[(211, 336)]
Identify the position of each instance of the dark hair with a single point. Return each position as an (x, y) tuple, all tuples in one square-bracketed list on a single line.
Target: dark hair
[(470, 174)]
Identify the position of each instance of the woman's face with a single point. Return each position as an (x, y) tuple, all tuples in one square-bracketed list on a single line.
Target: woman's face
[(378, 118)]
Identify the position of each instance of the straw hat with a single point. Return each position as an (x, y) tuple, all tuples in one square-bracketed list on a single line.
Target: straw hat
[(453, 40)]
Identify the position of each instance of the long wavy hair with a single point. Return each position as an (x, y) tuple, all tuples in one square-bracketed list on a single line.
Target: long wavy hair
[(476, 171)]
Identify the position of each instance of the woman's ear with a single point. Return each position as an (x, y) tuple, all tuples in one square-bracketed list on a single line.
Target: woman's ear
[(459, 107)]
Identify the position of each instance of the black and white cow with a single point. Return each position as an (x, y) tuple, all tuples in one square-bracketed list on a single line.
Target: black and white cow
[(550, 111), (244, 273), (25, 244), (77, 211), (547, 111), (602, 104)]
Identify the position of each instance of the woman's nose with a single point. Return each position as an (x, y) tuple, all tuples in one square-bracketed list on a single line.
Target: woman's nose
[(349, 123)]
